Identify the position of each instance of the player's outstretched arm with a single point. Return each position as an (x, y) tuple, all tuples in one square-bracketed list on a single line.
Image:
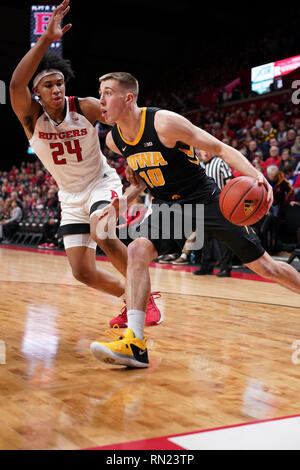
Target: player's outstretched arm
[(90, 107), (172, 128), (21, 100)]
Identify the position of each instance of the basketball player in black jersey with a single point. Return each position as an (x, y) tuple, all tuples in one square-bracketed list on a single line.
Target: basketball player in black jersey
[(159, 148)]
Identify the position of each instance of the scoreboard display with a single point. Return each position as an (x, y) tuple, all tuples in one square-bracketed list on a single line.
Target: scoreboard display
[(40, 17), (263, 76)]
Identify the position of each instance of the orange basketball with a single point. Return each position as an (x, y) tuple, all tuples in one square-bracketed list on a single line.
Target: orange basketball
[(243, 201)]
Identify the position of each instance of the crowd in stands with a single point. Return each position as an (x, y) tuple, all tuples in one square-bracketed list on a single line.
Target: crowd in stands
[(24, 189), (268, 136)]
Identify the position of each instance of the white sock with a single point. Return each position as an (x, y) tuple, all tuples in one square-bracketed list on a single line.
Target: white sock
[(136, 321)]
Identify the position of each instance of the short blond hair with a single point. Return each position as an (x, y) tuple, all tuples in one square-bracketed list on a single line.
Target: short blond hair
[(125, 79)]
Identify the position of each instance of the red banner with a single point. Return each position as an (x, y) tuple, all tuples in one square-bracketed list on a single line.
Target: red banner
[(285, 66)]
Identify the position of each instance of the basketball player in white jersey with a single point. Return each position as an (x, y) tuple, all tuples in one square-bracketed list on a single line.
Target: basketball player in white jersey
[(61, 131)]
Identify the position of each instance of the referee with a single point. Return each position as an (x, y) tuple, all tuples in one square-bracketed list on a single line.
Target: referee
[(217, 169)]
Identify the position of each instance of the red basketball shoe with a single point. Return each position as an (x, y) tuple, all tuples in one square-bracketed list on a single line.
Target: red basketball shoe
[(153, 315)]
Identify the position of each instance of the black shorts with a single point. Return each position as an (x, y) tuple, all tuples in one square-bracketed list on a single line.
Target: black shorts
[(242, 240)]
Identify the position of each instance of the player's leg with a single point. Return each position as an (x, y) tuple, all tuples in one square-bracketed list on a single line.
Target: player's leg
[(82, 259), (140, 254), (244, 242), (130, 349), (101, 194), (278, 271), (114, 249), (81, 249), (246, 245)]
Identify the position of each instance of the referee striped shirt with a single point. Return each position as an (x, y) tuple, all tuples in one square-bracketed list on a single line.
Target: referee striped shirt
[(217, 169)]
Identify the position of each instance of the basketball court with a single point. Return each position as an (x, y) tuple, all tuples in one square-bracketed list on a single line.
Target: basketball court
[(224, 365)]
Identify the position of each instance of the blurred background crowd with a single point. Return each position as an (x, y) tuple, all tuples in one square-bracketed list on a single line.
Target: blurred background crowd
[(266, 132)]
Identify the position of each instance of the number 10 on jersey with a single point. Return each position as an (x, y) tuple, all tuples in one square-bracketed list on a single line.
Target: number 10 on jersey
[(70, 150), (153, 177)]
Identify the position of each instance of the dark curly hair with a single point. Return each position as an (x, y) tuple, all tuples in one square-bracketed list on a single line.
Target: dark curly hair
[(54, 61)]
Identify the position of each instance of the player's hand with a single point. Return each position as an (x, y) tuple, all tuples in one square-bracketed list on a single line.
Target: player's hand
[(54, 29), (116, 207), (132, 177), (262, 180)]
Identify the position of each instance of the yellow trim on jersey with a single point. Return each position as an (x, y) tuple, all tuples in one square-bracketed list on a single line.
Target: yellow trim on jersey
[(141, 131), (191, 153)]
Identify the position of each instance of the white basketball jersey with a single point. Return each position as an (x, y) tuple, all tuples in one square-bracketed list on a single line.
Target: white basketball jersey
[(70, 150)]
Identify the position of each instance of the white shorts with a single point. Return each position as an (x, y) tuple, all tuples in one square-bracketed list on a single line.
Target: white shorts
[(78, 208)]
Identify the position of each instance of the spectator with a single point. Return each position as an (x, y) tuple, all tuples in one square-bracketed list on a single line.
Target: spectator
[(253, 150), (33, 200), (295, 149), (39, 204), (268, 132), (254, 133), (297, 124), (273, 142), (282, 132), (6, 186), (39, 179), (182, 258), (9, 227), (283, 191), (234, 143), (259, 164), (286, 160), (7, 209), (296, 184), (1, 208), (290, 139), (244, 120), (283, 195), (290, 175), (217, 131), (22, 192), (51, 201), (26, 203), (228, 133), (50, 230), (14, 197), (274, 158)]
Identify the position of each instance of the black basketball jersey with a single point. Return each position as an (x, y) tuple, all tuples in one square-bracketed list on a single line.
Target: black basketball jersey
[(171, 174)]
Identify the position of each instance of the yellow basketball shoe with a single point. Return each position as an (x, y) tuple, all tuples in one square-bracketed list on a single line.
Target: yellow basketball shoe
[(127, 350)]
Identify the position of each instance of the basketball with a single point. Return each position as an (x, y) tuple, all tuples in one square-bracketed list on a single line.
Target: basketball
[(242, 201)]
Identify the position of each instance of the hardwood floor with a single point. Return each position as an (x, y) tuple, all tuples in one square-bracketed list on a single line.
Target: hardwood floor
[(222, 356)]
